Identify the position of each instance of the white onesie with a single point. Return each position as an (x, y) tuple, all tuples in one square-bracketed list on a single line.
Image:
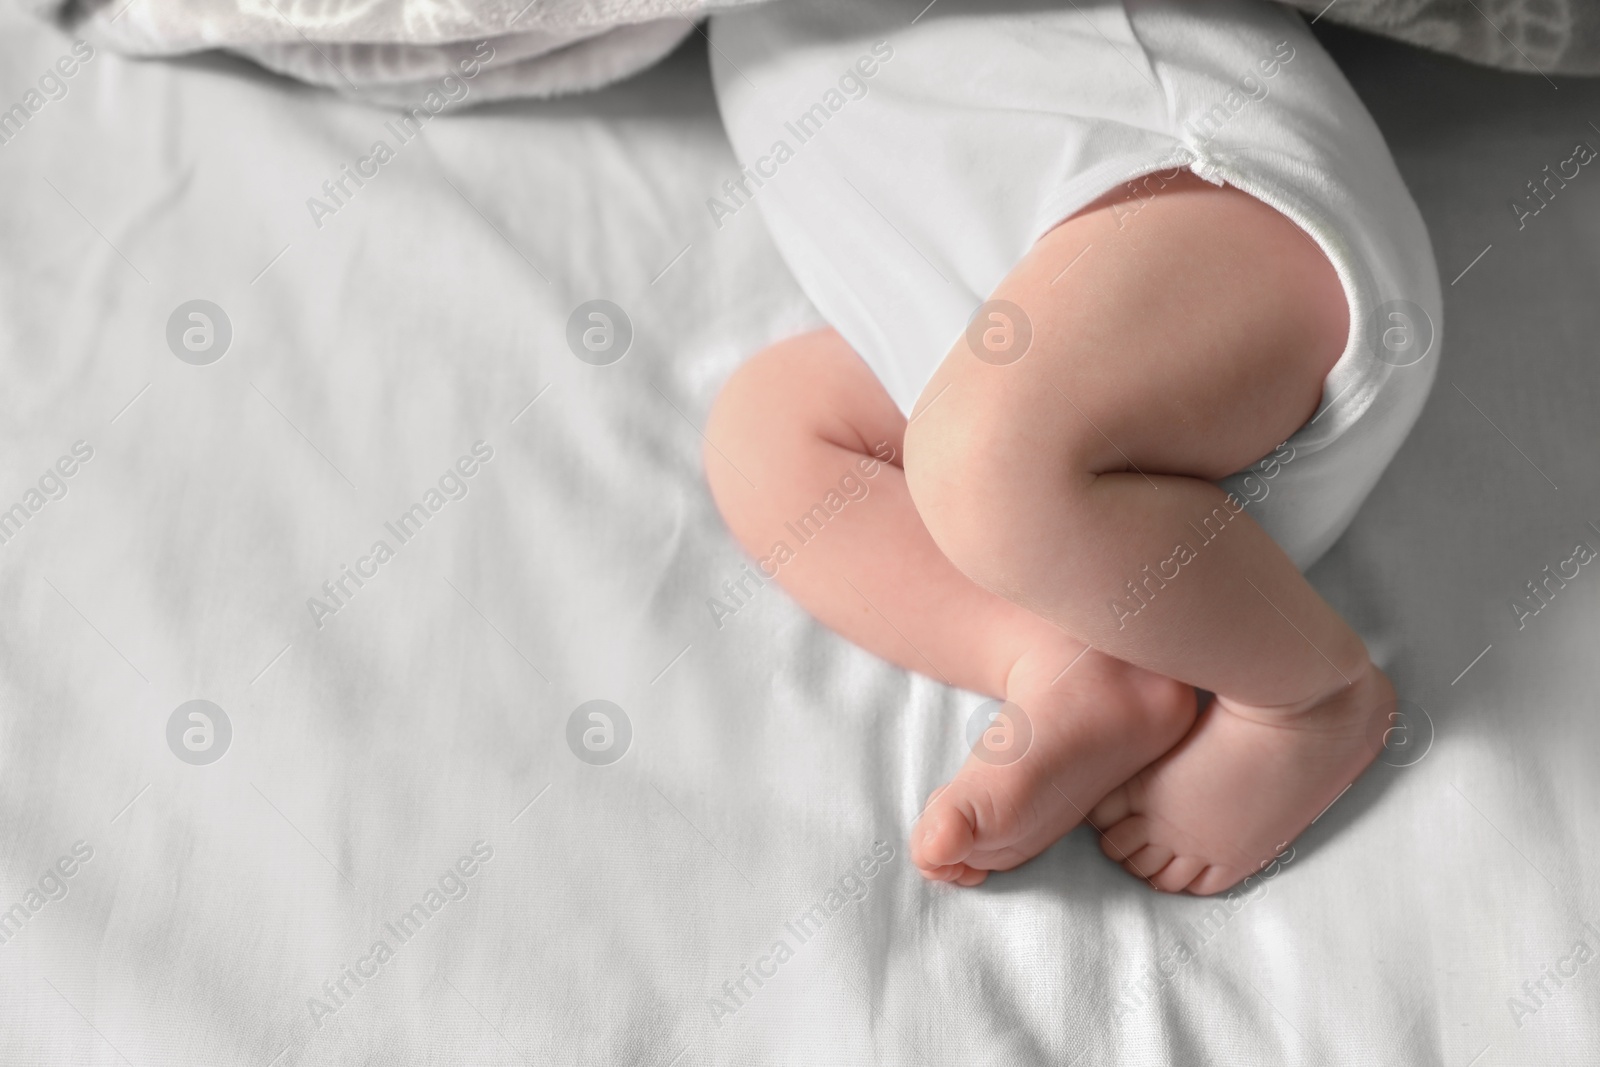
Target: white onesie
[(905, 156)]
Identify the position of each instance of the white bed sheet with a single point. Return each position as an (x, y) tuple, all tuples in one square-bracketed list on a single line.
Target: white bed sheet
[(370, 755)]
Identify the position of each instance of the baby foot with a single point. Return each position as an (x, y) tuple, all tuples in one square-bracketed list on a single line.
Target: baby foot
[(1244, 783), (1091, 729)]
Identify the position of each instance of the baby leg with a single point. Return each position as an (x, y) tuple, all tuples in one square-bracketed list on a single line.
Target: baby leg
[(798, 427), (1188, 342)]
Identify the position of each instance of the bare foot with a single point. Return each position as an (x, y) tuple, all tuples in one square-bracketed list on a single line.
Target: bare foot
[(1241, 786), (1091, 730)]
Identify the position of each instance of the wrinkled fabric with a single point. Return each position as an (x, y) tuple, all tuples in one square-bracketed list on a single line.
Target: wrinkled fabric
[(394, 51), (431, 711)]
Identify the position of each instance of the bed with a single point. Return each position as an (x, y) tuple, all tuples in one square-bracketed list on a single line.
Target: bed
[(580, 809)]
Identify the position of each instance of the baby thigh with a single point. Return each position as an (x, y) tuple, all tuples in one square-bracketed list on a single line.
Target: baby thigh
[(1161, 354)]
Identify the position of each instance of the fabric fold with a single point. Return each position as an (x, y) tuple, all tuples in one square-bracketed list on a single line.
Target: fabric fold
[(388, 52)]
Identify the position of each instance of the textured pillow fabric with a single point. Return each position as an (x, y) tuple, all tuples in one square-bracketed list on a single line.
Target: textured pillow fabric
[(1536, 36), (399, 52)]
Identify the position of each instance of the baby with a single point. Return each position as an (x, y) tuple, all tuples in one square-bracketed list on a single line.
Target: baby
[(1086, 264)]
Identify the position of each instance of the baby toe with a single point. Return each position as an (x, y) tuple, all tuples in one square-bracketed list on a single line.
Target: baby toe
[(971, 876), (1112, 809), (1215, 878), (955, 874), (1122, 839), (1148, 861), (943, 835), (1176, 876)]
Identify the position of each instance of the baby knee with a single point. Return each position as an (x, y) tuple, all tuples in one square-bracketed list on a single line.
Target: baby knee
[(754, 412), (975, 479), (750, 388)]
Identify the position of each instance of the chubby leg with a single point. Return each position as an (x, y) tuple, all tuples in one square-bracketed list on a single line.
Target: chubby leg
[(1190, 339), (796, 447)]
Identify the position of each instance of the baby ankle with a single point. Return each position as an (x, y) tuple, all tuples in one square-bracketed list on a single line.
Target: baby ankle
[(1041, 665)]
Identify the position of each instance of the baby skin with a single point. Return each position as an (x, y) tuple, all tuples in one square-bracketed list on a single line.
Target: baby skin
[(1011, 513)]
